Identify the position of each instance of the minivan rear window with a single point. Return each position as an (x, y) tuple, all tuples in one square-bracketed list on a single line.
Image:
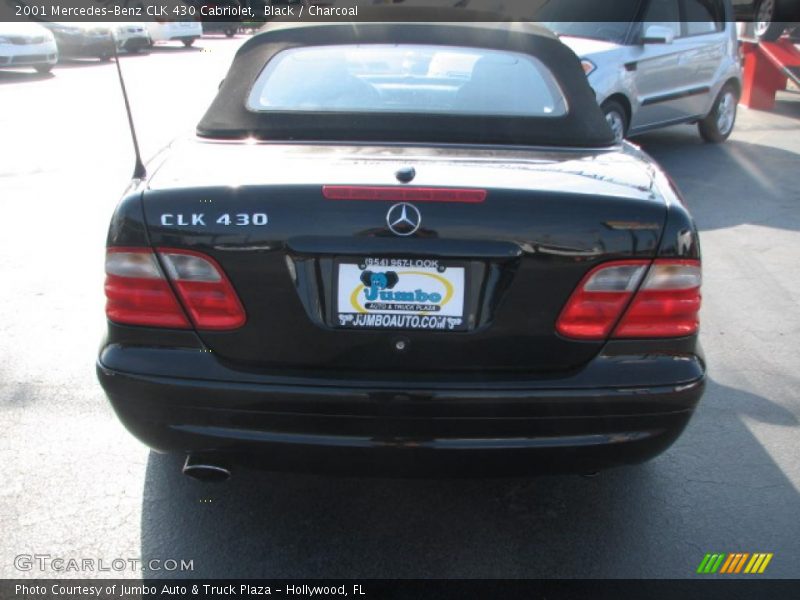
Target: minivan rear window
[(407, 78)]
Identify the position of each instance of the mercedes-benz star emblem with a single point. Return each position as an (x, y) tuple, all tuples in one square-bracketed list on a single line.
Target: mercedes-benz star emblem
[(403, 219)]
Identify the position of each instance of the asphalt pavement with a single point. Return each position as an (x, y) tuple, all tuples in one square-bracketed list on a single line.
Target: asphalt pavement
[(77, 485)]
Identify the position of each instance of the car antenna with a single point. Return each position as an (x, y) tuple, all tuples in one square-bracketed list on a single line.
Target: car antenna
[(139, 171)]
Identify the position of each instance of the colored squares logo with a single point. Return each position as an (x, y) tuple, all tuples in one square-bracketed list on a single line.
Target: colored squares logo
[(736, 562)]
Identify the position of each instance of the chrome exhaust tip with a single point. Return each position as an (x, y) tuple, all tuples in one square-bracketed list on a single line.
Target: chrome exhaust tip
[(205, 469)]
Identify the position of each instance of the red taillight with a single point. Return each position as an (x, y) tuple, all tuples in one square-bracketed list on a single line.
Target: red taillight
[(204, 290), (403, 194), (138, 292), (597, 303), (666, 305)]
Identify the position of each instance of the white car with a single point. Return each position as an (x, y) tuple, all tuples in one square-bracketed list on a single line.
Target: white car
[(175, 31), (132, 37), (678, 62), (27, 45)]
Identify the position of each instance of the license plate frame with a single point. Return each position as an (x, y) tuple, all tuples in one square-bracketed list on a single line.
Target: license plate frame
[(400, 291)]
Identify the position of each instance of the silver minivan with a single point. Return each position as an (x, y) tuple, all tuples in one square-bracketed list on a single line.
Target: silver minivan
[(654, 63)]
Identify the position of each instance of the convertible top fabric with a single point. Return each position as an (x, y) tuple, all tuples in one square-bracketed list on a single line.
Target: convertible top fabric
[(583, 125)]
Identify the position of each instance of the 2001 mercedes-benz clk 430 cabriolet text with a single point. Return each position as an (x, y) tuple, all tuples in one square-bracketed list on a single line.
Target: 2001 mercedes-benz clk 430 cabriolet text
[(403, 248)]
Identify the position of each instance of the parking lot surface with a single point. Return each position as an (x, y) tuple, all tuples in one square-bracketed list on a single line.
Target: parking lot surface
[(78, 485)]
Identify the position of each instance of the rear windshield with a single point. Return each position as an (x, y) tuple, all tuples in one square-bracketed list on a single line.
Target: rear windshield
[(407, 79)]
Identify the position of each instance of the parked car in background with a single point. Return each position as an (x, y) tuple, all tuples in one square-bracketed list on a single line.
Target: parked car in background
[(131, 37), (185, 32), (658, 63), (229, 28), (27, 45), (83, 40), (771, 18)]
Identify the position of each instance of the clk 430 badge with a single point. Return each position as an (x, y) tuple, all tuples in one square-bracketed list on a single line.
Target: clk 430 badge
[(202, 220)]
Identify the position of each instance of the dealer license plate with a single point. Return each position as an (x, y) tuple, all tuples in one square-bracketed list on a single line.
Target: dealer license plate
[(399, 293)]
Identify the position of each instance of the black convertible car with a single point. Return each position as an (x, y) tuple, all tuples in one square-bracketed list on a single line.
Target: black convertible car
[(403, 248)]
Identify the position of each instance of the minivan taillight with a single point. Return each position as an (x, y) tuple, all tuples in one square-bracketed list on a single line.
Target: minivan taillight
[(139, 293), (666, 304)]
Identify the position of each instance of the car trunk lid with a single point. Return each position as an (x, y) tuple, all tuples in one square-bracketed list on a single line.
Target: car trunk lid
[(297, 228)]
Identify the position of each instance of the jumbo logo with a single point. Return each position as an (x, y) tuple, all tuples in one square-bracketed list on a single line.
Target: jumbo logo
[(379, 288)]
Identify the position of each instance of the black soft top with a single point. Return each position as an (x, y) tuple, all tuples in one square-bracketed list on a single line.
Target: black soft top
[(582, 126)]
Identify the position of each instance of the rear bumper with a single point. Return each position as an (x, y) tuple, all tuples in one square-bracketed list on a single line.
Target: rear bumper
[(384, 427)]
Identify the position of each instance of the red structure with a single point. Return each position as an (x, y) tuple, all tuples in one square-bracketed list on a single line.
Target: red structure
[(767, 68)]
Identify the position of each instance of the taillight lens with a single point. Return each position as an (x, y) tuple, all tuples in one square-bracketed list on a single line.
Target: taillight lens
[(204, 290), (139, 293), (666, 305), (597, 303)]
